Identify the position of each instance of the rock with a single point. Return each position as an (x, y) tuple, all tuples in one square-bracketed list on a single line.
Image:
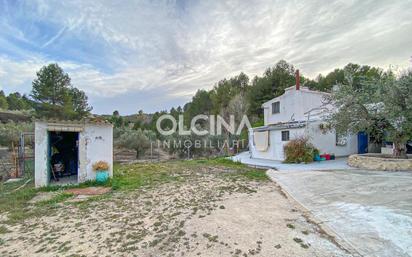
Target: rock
[(379, 162)]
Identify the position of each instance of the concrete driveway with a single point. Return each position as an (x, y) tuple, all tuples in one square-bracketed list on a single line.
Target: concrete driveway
[(244, 157), (372, 210)]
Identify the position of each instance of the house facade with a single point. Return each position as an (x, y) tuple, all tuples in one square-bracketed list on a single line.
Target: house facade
[(66, 150), (299, 112)]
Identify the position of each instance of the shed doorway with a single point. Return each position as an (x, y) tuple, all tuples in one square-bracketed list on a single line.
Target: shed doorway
[(63, 157)]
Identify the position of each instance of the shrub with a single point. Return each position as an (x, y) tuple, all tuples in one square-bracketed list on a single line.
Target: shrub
[(138, 140), (299, 150), (100, 165), (258, 123)]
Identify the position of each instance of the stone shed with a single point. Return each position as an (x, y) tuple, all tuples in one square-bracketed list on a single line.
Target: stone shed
[(65, 151)]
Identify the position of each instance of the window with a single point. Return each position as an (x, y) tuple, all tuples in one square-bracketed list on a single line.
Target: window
[(341, 139), (275, 107), (285, 135)]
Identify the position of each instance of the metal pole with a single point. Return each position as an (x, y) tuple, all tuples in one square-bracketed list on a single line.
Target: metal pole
[(23, 157), (151, 151)]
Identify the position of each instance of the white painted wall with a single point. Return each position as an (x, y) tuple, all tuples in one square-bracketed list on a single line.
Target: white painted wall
[(95, 144), (98, 145), (40, 154), (275, 149), (325, 142), (293, 105)]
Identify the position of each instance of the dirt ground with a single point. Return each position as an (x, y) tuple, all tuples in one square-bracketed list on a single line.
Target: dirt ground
[(125, 156), (204, 214)]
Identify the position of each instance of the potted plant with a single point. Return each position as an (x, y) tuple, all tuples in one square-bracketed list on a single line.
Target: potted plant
[(102, 171), (316, 156)]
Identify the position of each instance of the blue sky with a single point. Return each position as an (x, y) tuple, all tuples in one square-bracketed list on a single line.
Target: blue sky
[(152, 55)]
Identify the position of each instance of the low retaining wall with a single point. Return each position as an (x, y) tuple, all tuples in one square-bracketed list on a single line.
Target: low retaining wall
[(379, 162)]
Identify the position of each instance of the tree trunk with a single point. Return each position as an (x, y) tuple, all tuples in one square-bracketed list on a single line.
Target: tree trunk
[(399, 150)]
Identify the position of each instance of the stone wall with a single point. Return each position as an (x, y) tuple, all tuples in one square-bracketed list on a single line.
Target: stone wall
[(379, 162)]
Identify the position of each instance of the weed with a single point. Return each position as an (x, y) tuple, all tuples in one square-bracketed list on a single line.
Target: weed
[(4, 230), (297, 240), (210, 237)]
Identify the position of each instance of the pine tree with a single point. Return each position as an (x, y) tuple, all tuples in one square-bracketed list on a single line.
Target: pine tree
[(55, 97)]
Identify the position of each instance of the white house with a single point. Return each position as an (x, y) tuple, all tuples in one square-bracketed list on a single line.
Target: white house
[(298, 112), (66, 150)]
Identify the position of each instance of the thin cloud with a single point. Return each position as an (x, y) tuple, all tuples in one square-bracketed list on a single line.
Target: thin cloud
[(55, 37), (175, 49)]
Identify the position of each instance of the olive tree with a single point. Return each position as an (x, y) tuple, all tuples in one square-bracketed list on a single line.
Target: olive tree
[(382, 107), (396, 99), (138, 140)]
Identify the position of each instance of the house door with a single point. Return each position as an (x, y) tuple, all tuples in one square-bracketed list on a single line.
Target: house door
[(362, 142)]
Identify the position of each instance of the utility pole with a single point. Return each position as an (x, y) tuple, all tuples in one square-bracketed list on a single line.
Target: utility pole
[(151, 151)]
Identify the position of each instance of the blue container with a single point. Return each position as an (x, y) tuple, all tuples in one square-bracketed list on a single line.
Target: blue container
[(102, 176)]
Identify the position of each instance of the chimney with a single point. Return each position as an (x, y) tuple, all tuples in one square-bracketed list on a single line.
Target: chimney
[(297, 78)]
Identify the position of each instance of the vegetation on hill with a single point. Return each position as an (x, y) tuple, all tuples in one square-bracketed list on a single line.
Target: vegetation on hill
[(53, 96), (15, 101), (252, 92), (240, 95)]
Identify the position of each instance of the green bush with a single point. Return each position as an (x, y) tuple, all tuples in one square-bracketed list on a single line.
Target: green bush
[(299, 150), (138, 140), (10, 132), (258, 123)]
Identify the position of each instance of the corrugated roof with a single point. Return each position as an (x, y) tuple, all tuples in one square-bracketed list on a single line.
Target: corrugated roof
[(281, 125), (97, 121)]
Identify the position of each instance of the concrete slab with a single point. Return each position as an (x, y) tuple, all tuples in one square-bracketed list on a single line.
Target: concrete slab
[(64, 181), (43, 196), (89, 191), (372, 210), (13, 180), (338, 164)]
